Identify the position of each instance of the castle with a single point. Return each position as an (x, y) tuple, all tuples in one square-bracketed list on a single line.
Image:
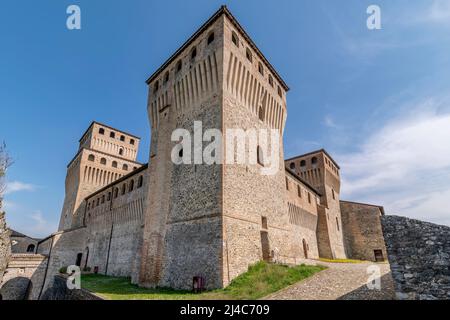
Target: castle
[(162, 224)]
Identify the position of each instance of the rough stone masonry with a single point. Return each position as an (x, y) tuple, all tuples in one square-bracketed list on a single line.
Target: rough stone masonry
[(419, 255), (5, 245)]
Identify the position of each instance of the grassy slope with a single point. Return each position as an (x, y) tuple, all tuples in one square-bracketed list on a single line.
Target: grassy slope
[(260, 280)]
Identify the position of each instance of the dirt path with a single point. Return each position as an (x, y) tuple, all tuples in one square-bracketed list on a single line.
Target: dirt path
[(341, 281)]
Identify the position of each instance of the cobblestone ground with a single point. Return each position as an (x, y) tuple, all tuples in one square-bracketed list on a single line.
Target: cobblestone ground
[(341, 281)]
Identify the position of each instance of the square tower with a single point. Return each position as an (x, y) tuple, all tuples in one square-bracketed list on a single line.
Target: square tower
[(104, 155), (213, 220), (320, 170)]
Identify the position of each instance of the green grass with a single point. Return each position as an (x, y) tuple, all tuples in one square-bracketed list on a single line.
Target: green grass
[(341, 260), (259, 281)]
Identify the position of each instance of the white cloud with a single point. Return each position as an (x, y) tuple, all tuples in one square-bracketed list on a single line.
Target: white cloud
[(17, 186), (438, 12), (404, 165), (39, 227), (329, 122)]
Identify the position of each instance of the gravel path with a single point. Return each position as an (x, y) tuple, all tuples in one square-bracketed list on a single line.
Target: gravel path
[(341, 281)]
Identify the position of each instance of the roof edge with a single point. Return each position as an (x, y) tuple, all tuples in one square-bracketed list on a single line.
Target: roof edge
[(109, 127), (314, 152), (306, 183), (223, 10), (366, 204)]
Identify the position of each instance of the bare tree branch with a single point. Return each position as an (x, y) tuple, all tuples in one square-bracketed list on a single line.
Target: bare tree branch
[(5, 163)]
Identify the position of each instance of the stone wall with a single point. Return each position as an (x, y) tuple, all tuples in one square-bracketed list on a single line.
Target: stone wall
[(63, 248), (256, 222), (21, 244), (182, 234), (59, 291), (419, 255), (5, 245), (24, 277), (362, 231)]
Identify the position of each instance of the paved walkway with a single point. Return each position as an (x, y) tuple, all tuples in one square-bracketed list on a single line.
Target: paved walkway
[(341, 281)]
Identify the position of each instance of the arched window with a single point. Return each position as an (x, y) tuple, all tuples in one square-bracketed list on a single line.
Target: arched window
[(261, 68), (131, 186), (302, 163), (314, 160), (122, 138), (235, 39), (166, 77), (180, 153), (179, 66), (280, 93), (299, 191), (91, 157), (124, 188), (292, 165), (112, 134), (101, 131), (121, 151), (140, 181), (109, 196), (156, 87), (103, 161), (270, 80), (249, 55), (103, 199), (211, 38), (125, 167), (114, 164), (193, 53), (31, 248), (261, 113), (260, 156), (309, 197), (132, 142), (116, 192)]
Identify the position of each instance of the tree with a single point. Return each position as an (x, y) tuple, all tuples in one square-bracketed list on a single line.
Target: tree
[(5, 162)]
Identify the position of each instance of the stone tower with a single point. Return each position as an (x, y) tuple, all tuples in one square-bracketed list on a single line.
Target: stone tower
[(104, 155), (213, 220), (322, 172)]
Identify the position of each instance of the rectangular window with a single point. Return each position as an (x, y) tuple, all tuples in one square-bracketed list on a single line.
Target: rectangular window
[(299, 191), (287, 184), (264, 222), (309, 197)]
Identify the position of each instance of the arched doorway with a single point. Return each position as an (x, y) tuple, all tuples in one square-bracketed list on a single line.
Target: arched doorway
[(30, 248), (305, 248)]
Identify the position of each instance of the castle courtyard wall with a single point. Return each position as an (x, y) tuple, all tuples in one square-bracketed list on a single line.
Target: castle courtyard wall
[(362, 230)]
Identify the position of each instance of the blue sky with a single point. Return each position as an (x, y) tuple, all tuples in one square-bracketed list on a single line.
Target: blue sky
[(377, 100)]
